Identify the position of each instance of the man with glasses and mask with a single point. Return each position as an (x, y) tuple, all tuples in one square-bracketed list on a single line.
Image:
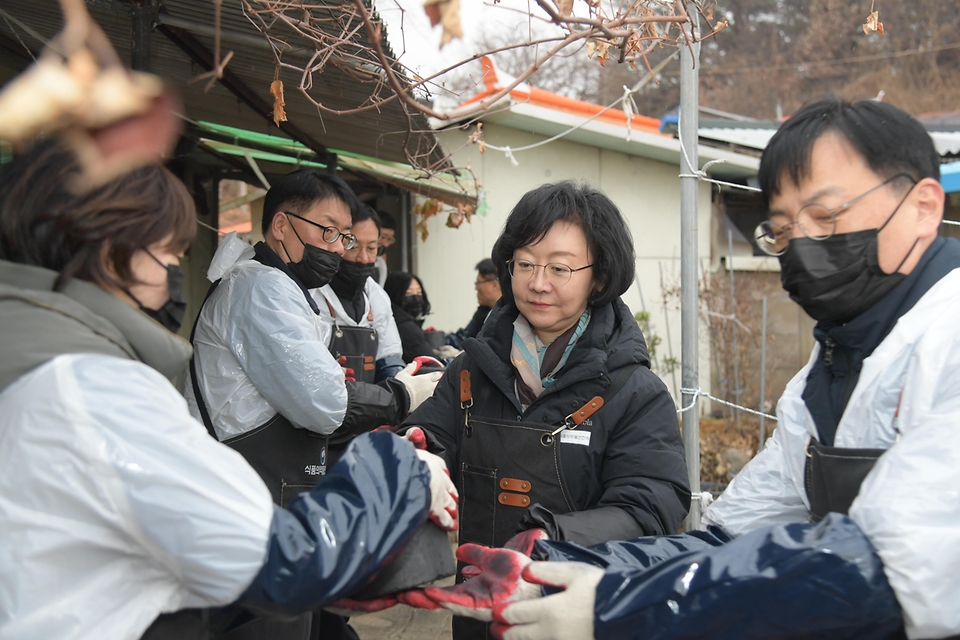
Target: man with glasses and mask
[(262, 379), (847, 523), (357, 318)]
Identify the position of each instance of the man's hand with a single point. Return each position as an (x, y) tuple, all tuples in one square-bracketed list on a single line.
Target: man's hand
[(498, 583), (349, 375), (567, 615), (443, 494), (419, 387), (417, 437)]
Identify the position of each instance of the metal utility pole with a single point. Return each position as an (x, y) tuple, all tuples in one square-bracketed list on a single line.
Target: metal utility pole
[(689, 259), (735, 390), (763, 377)]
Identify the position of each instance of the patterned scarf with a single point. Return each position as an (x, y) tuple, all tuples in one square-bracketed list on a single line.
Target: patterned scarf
[(536, 363)]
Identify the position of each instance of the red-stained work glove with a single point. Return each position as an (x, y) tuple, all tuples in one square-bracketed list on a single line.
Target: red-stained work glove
[(426, 362), (418, 438), (498, 583), (567, 615), (348, 607), (443, 494), (521, 543), (348, 374), (417, 599)]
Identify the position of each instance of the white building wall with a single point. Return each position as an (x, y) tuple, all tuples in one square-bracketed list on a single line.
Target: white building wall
[(647, 192)]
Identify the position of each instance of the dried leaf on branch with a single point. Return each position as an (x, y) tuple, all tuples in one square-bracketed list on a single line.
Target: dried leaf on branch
[(447, 14), (279, 112), (455, 219), (873, 24), (565, 7)]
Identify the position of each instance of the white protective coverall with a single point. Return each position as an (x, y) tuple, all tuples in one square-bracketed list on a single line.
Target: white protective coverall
[(377, 302), (906, 400), (120, 499), (259, 345)]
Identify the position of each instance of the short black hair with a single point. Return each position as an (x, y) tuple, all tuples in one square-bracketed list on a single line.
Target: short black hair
[(889, 140), (396, 287), (90, 233), (486, 268), (300, 190), (608, 237), (365, 212), (387, 221)]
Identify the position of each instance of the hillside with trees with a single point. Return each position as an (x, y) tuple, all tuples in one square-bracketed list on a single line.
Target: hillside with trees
[(777, 54)]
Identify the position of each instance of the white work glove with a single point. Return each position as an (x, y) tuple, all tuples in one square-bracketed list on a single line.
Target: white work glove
[(567, 615), (443, 495), (446, 351), (419, 388)]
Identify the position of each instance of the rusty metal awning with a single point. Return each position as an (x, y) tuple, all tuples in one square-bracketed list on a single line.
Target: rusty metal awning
[(181, 47)]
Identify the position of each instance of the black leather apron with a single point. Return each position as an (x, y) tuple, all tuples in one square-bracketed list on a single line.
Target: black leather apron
[(358, 344), (505, 467), (832, 476)]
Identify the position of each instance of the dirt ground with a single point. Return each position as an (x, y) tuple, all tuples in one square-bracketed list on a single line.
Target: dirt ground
[(404, 623), (724, 448)]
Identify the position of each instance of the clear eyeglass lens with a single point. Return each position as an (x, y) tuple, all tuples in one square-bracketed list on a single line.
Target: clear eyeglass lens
[(771, 238), (349, 240), (330, 234), (816, 222), (555, 273)]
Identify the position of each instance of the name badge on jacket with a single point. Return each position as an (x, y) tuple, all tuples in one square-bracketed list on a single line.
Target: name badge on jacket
[(575, 437)]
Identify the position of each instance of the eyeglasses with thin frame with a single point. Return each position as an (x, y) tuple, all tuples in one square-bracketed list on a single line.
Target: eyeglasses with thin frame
[(484, 281), (815, 221), (556, 273), (330, 234), (369, 251)]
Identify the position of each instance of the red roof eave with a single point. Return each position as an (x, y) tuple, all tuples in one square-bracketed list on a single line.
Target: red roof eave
[(539, 97)]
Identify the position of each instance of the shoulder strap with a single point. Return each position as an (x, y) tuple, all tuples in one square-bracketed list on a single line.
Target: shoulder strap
[(593, 404), (201, 404)]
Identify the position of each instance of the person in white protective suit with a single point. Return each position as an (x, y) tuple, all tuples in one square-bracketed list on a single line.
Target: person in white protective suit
[(263, 379), (120, 517), (847, 523), (355, 312)]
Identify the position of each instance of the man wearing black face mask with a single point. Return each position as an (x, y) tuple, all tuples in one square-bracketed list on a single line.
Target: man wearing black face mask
[(355, 311), (846, 524)]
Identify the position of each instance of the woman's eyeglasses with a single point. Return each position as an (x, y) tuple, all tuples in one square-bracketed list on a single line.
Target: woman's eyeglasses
[(556, 273)]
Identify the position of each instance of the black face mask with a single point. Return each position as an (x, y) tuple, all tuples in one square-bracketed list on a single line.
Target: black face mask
[(838, 278), (170, 315), (354, 275), (317, 267), (415, 306)]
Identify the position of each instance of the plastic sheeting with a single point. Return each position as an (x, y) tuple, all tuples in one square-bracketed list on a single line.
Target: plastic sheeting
[(330, 541), (907, 400), (257, 347), (116, 505), (787, 581)]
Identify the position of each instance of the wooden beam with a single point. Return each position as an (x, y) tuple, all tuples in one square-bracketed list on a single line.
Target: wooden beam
[(202, 56)]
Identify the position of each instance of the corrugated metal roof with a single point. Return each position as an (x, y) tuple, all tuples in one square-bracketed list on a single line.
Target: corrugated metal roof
[(946, 139), (380, 134)]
